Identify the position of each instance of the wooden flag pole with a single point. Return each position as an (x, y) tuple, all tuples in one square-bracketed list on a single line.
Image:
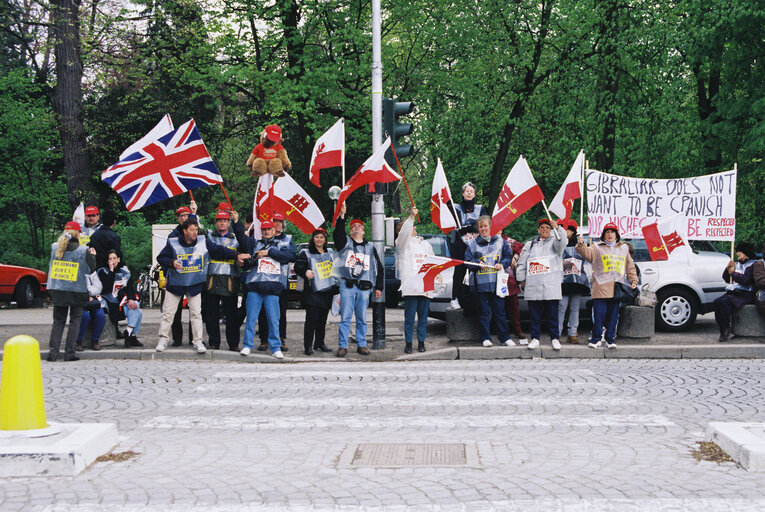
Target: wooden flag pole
[(226, 194), (404, 178), (585, 166), (555, 227), (191, 195)]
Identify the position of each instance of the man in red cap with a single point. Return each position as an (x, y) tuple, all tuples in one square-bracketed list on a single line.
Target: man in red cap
[(223, 285), (181, 215), (283, 238), (264, 280), (91, 225), (360, 269)]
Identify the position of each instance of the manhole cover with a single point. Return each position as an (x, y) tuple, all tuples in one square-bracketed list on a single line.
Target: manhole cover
[(409, 454)]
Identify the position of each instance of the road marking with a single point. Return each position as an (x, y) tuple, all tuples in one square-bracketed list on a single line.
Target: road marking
[(397, 401), (385, 386), (408, 422), (312, 373)]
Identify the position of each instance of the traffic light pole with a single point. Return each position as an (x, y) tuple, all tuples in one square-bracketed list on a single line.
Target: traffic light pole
[(378, 206)]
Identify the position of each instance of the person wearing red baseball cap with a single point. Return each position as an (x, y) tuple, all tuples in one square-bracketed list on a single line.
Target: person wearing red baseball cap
[(611, 263), (91, 225), (182, 214), (280, 237), (264, 278), (575, 285), (314, 264), (223, 284), (70, 264), (360, 269), (540, 272)]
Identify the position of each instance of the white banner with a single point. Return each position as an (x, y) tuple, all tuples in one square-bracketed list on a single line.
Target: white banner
[(707, 203)]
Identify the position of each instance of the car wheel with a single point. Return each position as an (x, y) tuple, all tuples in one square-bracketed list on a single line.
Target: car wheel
[(676, 310), (24, 294)]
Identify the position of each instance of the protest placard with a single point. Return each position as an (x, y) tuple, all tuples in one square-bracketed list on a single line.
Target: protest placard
[(707, 203)]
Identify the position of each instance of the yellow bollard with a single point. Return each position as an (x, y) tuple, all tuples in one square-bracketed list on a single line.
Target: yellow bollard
[(22, 404)]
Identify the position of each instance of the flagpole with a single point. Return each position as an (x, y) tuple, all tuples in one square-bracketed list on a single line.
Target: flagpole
[(451, 201), (226, 194), (462, 262), (191, 195), (733, 242), (555, 230), (404, 178), (583, 177)]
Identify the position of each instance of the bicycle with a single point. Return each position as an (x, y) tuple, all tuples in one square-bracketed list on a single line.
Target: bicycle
[(147, 286)]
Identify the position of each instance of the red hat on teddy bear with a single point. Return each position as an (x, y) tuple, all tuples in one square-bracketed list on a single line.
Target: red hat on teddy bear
[(274, 133)]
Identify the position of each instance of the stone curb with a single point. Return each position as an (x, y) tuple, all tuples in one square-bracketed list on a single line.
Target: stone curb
[(718, 351)]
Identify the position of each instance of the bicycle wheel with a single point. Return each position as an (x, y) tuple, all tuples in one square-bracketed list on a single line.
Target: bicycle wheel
[(142, 288)]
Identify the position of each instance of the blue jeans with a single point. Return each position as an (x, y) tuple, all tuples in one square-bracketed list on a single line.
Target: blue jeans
[(605, 313), (491, 305), (573, 302), (134, 317), (353, 301), (99, 320), (548, 309), (271, 304), (420, 305)]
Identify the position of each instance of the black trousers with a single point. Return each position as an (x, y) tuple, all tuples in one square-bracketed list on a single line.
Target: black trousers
[(314, 327), (723, 311), (59, 321), (263, 322), (212, 320)]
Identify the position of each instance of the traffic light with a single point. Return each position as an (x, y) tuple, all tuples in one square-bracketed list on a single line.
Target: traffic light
[(394, 129)]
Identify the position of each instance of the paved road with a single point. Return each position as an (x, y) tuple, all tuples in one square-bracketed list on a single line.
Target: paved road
[(562, 435)]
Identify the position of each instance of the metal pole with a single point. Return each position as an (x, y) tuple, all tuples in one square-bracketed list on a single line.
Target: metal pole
[(378, 207)]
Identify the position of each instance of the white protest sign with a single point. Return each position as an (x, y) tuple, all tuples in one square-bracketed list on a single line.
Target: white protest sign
[(707, 203)]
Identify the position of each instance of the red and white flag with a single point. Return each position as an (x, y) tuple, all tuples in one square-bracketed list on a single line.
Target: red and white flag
[(666, 237), (431, 267), (329, 151), (264, 208), (296, 205), (563, 203), (439, 199), (519, 193), (374, 170)]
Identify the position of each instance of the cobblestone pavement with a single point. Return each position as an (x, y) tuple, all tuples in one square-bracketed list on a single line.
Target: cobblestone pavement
[(550, 435)]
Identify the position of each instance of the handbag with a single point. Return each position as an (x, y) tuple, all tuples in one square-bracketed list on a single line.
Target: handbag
[(646, 298), (624, 293)]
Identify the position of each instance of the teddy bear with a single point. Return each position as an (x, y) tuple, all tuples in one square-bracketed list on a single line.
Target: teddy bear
[(269, 156)]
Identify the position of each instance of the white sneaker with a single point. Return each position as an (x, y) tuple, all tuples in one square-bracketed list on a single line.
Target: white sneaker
[(611, 345), (454, 304), (534, 344), (594, 345), (556, 344), (278, 354), (523, 341), (200, 348), (487, 343), (509, 343), (161, 346), (245, 351)]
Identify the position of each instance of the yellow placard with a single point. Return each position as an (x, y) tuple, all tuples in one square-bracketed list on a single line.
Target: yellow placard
[(64, 270), (293, 286), (323, 269), (488, 260), (84, 239), (191, 263), (224, 262), (613, 263)]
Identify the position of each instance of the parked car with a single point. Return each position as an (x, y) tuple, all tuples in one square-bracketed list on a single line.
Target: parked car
[(21, 284)]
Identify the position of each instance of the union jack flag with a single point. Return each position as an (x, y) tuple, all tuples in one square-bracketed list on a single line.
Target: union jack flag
[(171, 165)]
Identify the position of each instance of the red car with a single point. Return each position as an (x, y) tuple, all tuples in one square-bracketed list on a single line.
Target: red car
[(21, 284)]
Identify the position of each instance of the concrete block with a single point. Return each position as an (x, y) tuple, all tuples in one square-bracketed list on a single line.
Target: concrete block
[(65, 453), (724, 351), (115, 353), (636, 322), (459, 327), (441, 354), (572, 352), (185, 353), (498, 352), (748, 322), (744, 442), (644, 352)]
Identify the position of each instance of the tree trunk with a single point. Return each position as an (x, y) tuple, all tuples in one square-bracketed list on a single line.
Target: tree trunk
[(706, 95), (607, 85), (67, 99)]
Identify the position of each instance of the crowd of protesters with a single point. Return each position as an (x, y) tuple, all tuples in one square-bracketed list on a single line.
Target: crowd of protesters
[(212, 271)]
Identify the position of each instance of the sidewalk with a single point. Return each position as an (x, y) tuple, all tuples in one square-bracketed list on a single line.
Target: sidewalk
[(698, 343)]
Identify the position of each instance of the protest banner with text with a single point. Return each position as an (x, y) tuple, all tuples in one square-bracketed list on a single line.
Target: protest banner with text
[(707, 203)]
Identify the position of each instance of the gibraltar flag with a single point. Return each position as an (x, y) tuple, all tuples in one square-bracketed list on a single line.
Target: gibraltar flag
[(296, 205), (375, 169), (563, 203), (440, 196), (519, 193), (329, 151), (431, 267), (665, 237), (263, 206)]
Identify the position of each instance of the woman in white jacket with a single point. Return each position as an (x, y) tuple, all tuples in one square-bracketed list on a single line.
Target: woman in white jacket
[(411, 251)]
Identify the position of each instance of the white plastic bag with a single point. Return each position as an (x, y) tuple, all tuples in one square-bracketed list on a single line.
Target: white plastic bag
[(335, 310), (502, 283)]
